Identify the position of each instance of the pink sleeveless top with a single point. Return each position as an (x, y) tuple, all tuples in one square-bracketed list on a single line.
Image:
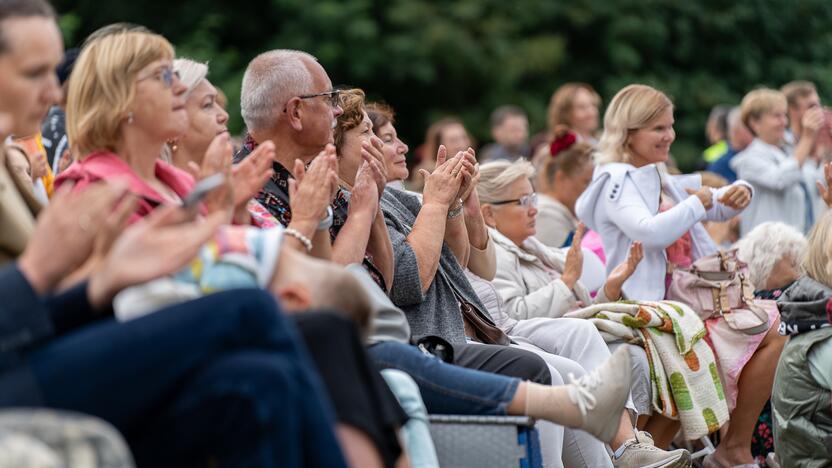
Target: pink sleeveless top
[(679, 253)]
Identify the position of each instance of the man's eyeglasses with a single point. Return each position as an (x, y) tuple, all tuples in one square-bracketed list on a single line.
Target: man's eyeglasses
[(165, 75), (526, 201), (334, 97)]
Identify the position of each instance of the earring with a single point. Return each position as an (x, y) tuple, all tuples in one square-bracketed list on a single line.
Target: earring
[(130, 117), (174, 145)]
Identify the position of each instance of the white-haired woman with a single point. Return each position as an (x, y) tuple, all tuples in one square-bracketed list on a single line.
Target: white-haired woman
[(773, 252), (207, 119), (535, 285), (632, 198)]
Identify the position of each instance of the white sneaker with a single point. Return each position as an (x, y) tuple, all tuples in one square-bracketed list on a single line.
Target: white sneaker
[(601, 394), (642, 453)]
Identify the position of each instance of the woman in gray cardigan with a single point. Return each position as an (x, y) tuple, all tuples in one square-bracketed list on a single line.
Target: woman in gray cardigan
[(781, 193)]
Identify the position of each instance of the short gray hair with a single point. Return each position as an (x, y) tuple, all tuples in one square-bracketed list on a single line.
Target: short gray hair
[(191, 73), (765, 245), (497, 176), (270, 80)]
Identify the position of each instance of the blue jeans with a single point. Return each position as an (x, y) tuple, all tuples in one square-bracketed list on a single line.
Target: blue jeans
[(416, 433), (221, 380), (448, 389)]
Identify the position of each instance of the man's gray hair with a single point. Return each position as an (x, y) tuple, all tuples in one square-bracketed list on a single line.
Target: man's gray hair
[(271, 79)]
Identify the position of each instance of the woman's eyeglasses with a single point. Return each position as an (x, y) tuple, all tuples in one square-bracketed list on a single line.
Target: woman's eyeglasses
[(526, 201), (165, 75)]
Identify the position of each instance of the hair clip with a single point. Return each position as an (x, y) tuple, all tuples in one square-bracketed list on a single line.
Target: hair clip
[(562, 143)]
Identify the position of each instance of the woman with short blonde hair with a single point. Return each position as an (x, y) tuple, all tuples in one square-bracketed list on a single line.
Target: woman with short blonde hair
[(784, 192), (125, 102), (758, 102), (105, 76)]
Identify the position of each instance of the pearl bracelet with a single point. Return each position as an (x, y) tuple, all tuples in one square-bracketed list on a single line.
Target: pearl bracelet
[(300, 237)]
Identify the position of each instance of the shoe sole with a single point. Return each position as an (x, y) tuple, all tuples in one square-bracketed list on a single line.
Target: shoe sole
[(682, 462)]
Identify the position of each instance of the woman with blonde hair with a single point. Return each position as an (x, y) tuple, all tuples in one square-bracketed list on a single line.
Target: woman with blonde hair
[(802, 385), (632, 198), (124, 103), (782, 192)]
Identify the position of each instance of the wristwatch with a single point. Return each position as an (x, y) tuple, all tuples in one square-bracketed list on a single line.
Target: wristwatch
[(326, 222), (455, 211)]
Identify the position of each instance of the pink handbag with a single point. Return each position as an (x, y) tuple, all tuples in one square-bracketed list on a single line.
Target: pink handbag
[(718, 286)]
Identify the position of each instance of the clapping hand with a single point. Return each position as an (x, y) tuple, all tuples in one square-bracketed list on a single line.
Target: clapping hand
[(217, 160), (574, 265), (813, 120), (374, 157), (616, 279), (472, 170), (736, 197), (73, 222), (312, 189), (825, 190), (364, 197), (252, 173), (443, 184)]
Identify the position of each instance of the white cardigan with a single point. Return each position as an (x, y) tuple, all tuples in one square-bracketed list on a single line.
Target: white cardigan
[(622, 205)]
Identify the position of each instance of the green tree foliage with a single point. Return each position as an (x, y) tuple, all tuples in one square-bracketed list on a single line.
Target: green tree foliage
[(433, 58)]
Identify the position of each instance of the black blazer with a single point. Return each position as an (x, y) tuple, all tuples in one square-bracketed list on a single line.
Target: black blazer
[(28, 321)]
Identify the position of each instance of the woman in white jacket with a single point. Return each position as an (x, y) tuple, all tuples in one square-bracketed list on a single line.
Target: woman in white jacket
[(633, 199)]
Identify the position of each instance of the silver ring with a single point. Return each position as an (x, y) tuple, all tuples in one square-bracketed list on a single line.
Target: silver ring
[(84, 222)]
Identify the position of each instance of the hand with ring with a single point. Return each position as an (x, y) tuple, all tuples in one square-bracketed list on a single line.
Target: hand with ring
[(443, 184)]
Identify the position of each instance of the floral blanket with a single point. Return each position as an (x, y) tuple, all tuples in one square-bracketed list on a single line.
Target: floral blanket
[(683, 370)]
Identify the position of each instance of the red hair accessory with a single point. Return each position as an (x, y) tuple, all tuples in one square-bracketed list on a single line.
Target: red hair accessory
[(562, 143)]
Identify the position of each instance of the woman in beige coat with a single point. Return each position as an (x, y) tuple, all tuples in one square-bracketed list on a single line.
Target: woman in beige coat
[(535, 285)]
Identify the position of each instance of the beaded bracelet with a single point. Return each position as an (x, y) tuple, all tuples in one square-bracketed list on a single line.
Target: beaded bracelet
[(300, 237)]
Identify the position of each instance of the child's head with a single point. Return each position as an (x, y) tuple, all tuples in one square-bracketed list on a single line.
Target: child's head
[(301, 282)]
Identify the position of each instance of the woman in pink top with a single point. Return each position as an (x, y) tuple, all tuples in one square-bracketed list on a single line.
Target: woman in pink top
[(124, 102)]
